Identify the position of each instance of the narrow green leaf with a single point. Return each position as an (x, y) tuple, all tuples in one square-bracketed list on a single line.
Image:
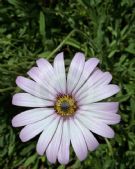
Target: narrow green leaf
[(42, 25), (30, 160)]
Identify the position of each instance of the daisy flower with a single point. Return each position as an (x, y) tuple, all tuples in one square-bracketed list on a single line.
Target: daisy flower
[(66, 108)]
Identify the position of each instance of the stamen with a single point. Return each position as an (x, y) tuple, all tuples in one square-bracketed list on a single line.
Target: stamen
[(65, 105)]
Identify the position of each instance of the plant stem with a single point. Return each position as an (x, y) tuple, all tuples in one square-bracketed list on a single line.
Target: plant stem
[(61, 44), (6, 89), (109, 146)]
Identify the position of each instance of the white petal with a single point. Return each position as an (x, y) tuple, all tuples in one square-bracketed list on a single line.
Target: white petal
[(105, 117), (48, 71), (63, 154), (53, 147), (59, 68), (31, 116), (97, 79), (91, 141), (46, 136), (27, 100), (96, 126), (108, 107), (97, 94), (75, 71), (104, 80), (31, 130), (77, 140), (40, 78), (96, 75), (34, 88), (89, 66)]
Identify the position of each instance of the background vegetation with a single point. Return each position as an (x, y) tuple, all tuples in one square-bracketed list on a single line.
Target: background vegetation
[(30, 29)]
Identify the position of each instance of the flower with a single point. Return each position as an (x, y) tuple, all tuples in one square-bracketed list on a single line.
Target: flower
[(67, 109)]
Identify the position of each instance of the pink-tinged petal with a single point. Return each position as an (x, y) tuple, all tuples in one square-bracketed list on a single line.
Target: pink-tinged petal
[(96, 75), (91, 141), (97, 94), (96, 126), (27, 100), (77, 140), (89, 66), (53, 147), (96, 80), (31, 130), (40, 78), (105, 117), (31, 116), (63, 154), (108, 107), (48, 72), (34, 88), (104, 80), (45, 67), (59, 69), (47, 136), (75, 71)]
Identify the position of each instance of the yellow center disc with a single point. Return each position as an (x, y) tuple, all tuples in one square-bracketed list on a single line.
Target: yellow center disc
[(65, 105)]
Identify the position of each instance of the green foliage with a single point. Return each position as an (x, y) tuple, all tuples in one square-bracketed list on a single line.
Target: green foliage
[(32, 29)]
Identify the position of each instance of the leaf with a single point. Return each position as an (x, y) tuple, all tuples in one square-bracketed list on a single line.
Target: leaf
[(61, 167), (30, 160), (42, 25), (72, 42)]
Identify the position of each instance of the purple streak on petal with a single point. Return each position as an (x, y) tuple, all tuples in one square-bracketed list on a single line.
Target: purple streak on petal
[(77, 140), (27, 100), (96, 126), (59, 69), (31, 130), (75, 71), (63, 154), (47, 136), (34, 88), (53, 147), (89, 66), (31, 116)]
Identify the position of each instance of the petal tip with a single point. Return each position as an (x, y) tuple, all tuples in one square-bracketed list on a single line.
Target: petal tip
[(52, 161), (22, 137), (79, 55), (33, 70), (19, 80), (39, 150), (118, 88), (40, 61), (94, 59), (112, 135), (60, 55), (63, 162), (14, 99), (115, 87), (95, 147), (118, 119), (13, 122), (82, 158)]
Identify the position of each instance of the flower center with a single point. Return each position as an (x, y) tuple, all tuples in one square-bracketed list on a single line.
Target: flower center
[(65, 105)]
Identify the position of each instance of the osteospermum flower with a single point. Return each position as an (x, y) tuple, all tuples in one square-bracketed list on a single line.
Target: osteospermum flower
[(68, 109)]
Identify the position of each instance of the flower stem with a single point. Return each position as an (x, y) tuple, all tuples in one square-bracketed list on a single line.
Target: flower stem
[(61, 44), (6, 89), (109, 147)]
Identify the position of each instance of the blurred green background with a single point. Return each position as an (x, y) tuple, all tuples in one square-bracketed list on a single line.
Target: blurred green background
[(30, 29)]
